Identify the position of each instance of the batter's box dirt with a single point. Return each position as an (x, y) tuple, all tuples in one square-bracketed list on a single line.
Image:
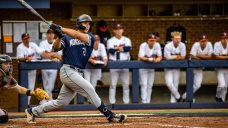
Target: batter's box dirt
[(132, 122)]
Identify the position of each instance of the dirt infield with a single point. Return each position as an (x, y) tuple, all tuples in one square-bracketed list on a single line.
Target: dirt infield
[(92, 119), (132, 122)]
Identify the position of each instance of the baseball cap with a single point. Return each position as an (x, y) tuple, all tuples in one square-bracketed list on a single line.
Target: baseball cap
[(118, 26), (50, 31), (224, 35), (151, 36), (25, 36), (203, 37)]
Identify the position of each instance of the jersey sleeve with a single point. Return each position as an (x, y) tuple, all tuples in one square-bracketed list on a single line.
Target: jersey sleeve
[(216, 48), (210, 48), (159, 52), (167, 52), (194, 49), (20, 51), (38, 49), (103, 51), (141, 51), (183, 49)]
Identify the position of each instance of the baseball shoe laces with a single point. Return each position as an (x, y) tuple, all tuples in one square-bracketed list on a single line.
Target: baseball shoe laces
[(117, 118), (30, 116)]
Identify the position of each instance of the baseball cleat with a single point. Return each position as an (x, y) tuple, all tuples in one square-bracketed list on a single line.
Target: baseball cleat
[(218, 99), (117, 118), (30, 116)]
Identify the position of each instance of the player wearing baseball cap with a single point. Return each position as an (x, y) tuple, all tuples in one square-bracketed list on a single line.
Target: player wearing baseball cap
[(119, 47), (221, 53), (201, 50), (149, 51)]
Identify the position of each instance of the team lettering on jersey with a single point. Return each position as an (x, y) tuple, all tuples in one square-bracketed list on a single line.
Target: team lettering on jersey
[(75, 42)]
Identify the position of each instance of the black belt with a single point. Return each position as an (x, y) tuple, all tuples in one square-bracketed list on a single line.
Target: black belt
[(78, 69)]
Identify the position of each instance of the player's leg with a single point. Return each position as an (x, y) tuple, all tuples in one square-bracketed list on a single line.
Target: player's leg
[(221, 85), (143, 75), (169, 79), (31, 81), (44, 74), (94, 76), (51, 81), (226, 80), (124, 76), (64, 98), (197, 80), (87, 74), (176, 79), (150, 80), (72, 79), (114, 75)]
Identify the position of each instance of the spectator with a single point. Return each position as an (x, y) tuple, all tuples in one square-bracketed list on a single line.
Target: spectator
[(221, 53), (26, 52), (149, 51), (98, 56), (49, 76), (119, 48), (175, 50), (201, 50), (103, 32)]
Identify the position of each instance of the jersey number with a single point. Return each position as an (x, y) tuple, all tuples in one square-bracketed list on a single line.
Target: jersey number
[(84, 51)]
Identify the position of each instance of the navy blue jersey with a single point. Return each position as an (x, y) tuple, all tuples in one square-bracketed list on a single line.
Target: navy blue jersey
[(76, 52)]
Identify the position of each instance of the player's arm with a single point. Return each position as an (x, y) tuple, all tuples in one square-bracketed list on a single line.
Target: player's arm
[(21, 57), (221, 57), (145, 59), (194, 57), (23, 90), (91, 60), (204, 57), (158, 59), (76, 34), (56, 45)]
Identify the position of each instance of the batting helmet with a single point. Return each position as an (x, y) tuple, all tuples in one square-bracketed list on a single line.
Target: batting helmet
[(83, 18), (3, 59), (3, 116)]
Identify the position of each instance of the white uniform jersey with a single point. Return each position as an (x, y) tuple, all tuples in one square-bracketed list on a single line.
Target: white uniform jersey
[(100, 53), (47, 47), (197, 50), (123, 41), (23, 51), (219, 49), (170, 50), (145, 51)]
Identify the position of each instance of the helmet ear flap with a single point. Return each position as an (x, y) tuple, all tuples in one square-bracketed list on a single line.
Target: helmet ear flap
[(83, 18)]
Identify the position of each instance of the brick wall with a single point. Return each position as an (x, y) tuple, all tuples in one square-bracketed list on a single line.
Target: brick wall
[(136, 30)]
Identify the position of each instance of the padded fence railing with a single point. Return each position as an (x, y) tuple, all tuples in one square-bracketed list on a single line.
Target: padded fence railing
[(187, 65)]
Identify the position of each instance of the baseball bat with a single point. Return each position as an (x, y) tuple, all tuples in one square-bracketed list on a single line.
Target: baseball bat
[(32, 10)]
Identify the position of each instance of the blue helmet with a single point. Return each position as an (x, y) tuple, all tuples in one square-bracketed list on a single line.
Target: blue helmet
[(83, 18)]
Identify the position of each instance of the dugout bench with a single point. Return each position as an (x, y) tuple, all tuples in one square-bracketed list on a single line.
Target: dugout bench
[(187, 65)]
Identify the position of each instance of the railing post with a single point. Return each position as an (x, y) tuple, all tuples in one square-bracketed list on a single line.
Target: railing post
[(23, 99), (189, 84), (135, 85)]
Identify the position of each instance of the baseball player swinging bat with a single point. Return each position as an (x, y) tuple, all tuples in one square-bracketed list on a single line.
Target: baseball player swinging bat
[(26, 5)]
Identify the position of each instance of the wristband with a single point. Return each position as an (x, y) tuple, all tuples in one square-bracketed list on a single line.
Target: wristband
[(28, 92), (150, 59)]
